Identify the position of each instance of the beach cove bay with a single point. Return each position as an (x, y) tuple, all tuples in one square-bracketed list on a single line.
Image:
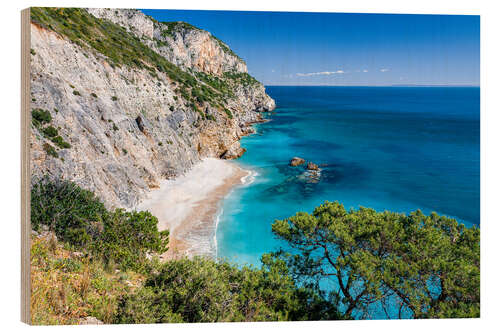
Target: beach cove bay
[(388, 148)]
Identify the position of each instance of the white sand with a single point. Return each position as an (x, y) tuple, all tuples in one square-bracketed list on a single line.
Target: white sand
[(187, 205)]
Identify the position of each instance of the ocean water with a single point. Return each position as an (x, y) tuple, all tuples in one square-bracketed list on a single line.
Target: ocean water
[(388, 148)]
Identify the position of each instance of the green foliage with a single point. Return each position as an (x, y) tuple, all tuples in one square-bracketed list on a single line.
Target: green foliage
[(59, 141), (32, 51), (114, 98), (429, 264), (229, 114), (50, 150), (40, 117), (128, 236), (241, 78), (66, 287), (170, 28), (220, 87), (50, 131), (80, 219), (93, 95), (201, 290), (186, 290), (115, 128), (124, 151), (76, 93), (73, 213)]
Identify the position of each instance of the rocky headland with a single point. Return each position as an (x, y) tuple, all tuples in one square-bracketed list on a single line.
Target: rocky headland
[(122, 102)]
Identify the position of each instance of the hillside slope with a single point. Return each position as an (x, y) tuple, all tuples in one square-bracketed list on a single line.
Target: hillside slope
[(121, 101)]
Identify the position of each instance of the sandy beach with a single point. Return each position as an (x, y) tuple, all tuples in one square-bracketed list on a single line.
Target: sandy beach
[(188, 205)]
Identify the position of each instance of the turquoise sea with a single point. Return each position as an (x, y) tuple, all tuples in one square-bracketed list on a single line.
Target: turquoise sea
[(388, 148)]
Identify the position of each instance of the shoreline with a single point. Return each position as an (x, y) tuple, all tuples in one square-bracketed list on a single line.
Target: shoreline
[(189, 206)]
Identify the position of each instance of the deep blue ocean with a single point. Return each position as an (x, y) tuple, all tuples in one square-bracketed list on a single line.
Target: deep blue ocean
[(388, 148)]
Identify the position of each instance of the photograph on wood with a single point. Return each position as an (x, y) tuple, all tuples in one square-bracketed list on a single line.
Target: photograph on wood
[(186, 166)]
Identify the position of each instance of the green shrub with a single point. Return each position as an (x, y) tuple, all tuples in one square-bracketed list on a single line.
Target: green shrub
[(115, 128), (50, 131), (201, 290), (76, 93), (79, 218), (114, 98), (50, 150), (32, 52), (93, 95), (229, 114), (127, 238), (74, 214), (40, 117), (59, 141), (124, 151)]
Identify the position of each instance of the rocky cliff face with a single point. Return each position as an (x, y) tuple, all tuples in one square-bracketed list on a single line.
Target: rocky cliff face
[(121, 101)]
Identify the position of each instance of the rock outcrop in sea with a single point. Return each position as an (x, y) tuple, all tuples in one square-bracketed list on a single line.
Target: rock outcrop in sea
[(296, 161), (122, 101), (312, 166)]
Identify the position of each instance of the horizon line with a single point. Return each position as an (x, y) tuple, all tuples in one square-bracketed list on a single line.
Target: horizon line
[(388, 85)]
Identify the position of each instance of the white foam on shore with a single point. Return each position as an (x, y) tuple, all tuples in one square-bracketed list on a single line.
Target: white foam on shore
[(249, 178), (216, 222), (177, 199), (246, 180)]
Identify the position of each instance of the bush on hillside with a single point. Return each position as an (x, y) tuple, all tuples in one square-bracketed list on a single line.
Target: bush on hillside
[(80, 219), (202, 290), (74, 214), (127, 238)]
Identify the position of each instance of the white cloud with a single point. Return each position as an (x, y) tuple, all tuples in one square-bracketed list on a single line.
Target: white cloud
[(321, 73), (365, 71), (384, 70), (272, 70)]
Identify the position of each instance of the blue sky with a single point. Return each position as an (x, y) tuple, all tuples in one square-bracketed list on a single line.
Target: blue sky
[(283, 48)]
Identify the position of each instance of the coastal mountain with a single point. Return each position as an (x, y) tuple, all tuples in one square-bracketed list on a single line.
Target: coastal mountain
[(121, 101)]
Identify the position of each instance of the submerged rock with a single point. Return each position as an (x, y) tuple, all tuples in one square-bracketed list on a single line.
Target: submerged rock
[(312, 166), (297, 161)]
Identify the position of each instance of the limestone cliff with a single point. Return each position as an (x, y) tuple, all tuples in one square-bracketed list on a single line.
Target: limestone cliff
[(121, 101)]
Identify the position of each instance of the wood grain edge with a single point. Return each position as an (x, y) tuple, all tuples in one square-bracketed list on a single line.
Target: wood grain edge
[(25, 167)]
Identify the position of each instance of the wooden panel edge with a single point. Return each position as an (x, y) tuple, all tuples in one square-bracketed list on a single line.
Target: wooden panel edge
[(25, 167)]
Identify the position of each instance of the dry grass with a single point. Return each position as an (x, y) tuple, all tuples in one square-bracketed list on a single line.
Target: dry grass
[(67, 286)]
